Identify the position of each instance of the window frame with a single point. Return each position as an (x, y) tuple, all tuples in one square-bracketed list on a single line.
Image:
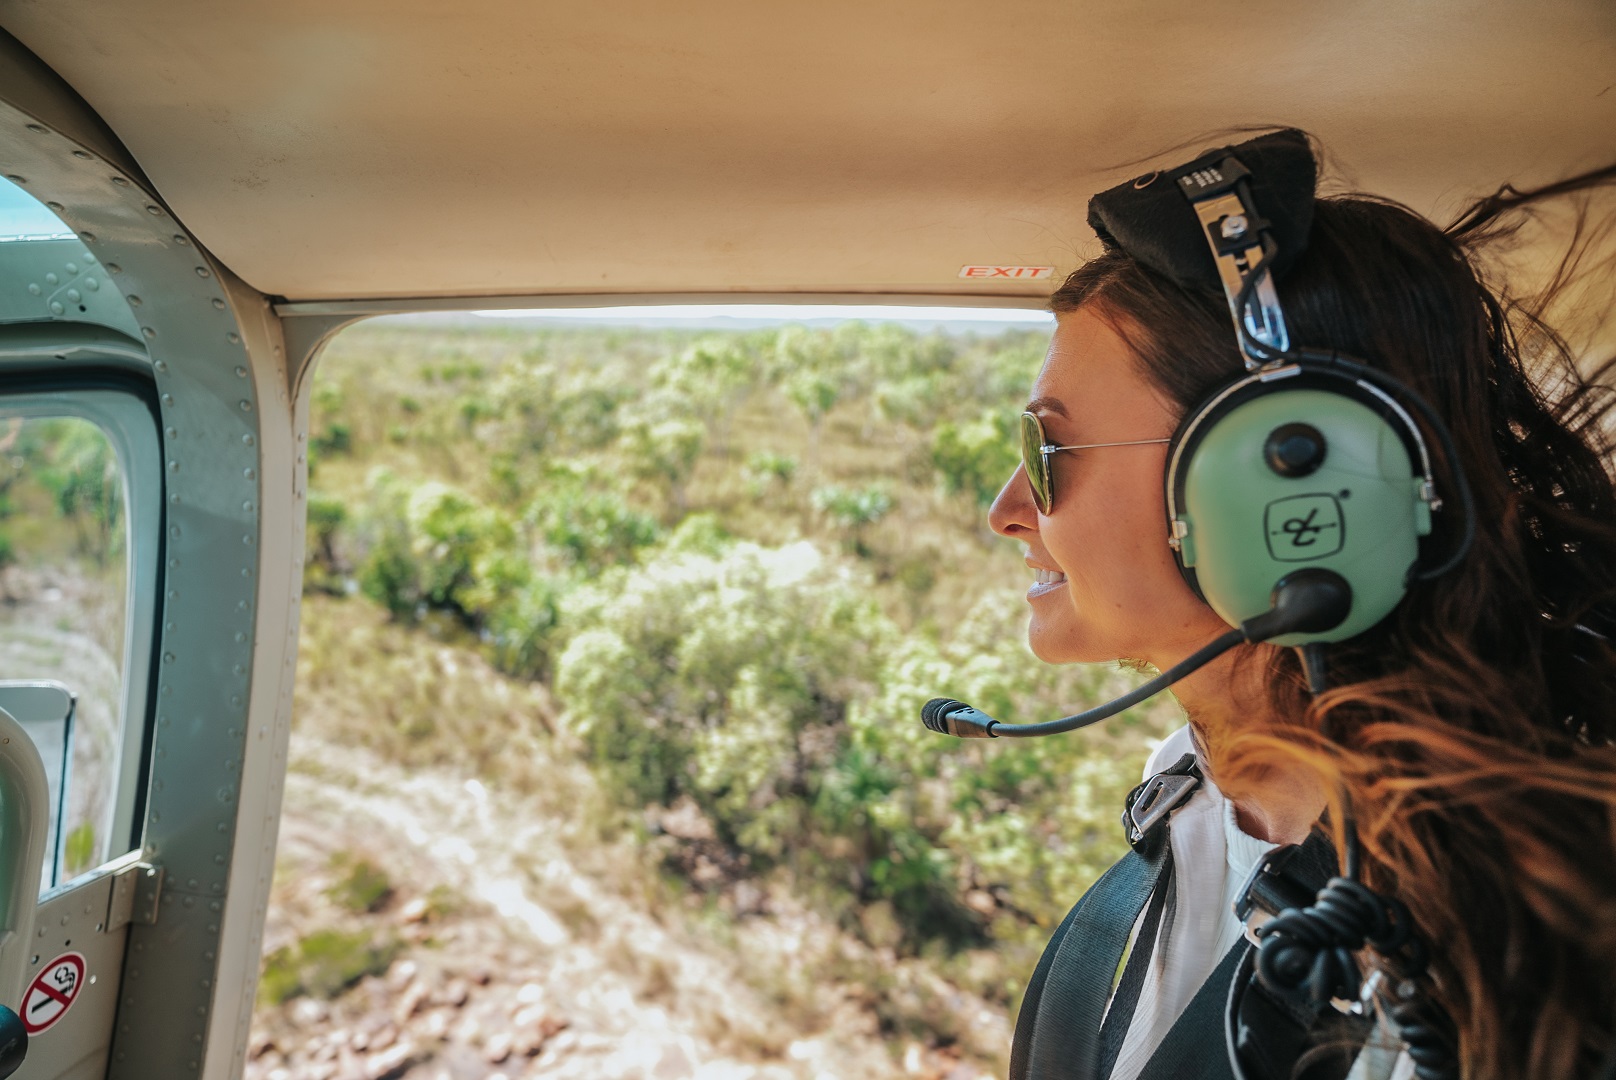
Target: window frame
[(123, 404)]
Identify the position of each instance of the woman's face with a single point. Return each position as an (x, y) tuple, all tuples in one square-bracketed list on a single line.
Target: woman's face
[(1122, 596)]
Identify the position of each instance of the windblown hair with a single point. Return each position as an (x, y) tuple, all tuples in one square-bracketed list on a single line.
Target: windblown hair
[(1472, 731)]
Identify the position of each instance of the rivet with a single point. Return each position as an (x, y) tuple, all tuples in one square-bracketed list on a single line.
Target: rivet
[(15, 179), (247, 539), (235, 699), (182, 240), (250, 473), (173, 466), (56, 206), (241, 372), (233, 338), (56, 307), (218, 303), (168, 399), (190, 901), (246, 571), (168, 658), (203, 271), (215, 906), (87, 237), (174, 532), (148, 331), (162, 721), (154, 210), (157, 785), (74, 296), (239, 670), (92, 284), (120, 181), (193, 883), (169, 627), (161, 366), (224, 827), (135, 301), (34, 289), (246, 406), (218, 860), (241, 605), (81, 155), (247, 506), (72, 268), (114, 268), (239, 638), (172, 433), (51, 278), (39, 129)]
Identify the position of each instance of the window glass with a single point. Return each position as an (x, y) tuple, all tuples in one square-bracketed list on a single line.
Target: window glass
[(23, 217), (63, 599)]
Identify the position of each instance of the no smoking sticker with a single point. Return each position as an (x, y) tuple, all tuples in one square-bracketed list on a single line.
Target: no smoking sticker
[(52, 992)]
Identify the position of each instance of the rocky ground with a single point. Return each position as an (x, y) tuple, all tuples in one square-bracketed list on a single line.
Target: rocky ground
[(426, 927)]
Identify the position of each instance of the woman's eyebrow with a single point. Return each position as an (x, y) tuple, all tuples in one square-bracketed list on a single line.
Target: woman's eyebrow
[(1047, 404)]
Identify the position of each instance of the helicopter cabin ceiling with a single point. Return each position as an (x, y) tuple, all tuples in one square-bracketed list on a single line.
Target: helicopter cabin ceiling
[(365, 149)]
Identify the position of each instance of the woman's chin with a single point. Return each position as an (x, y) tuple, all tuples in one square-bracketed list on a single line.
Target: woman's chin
[(1054, 646)]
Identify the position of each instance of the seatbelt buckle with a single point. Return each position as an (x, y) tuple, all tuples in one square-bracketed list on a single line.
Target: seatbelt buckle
[(1152, 802), (1272, 887)]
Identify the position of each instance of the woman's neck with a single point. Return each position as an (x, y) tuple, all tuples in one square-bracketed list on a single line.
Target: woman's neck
[(1277, 801)]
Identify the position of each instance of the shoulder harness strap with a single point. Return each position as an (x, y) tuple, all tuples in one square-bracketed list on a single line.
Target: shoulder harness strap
[(1058, 1032)]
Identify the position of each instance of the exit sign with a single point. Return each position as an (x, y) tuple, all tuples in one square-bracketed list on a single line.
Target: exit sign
[(1022, 273)]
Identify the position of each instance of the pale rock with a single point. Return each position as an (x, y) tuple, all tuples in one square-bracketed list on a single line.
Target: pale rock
[(456, 993), (391, 1063), (497, 1048), (415, 911), (401, 974)]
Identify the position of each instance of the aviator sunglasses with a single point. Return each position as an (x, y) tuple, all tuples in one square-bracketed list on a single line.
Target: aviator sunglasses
[(1036, 452)]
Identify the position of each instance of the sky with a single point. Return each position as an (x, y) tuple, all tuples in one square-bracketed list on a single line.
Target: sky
[(23, 215)]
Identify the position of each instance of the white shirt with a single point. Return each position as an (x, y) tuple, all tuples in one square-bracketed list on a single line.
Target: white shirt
[(1212, 859)]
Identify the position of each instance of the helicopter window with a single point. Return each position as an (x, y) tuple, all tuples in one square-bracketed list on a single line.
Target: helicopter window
[(63, 599)]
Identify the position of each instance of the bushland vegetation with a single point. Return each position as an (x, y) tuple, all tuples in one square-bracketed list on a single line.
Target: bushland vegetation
[(734, 566)]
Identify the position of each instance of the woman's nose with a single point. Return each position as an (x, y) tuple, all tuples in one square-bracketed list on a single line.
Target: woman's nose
[(1013, 510)]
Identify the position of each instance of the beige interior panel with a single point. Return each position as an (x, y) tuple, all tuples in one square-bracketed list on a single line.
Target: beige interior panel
[(348, 149)]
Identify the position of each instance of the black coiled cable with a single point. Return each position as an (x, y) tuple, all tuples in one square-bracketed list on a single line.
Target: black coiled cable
[(1313, 947)]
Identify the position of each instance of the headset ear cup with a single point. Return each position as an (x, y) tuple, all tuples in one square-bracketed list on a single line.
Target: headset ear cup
[(1270, 474)]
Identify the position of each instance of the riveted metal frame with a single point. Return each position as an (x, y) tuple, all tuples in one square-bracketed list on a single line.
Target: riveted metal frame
[(234, 476)]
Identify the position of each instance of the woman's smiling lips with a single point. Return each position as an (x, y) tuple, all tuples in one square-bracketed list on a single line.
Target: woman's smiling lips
[(1044, 581)]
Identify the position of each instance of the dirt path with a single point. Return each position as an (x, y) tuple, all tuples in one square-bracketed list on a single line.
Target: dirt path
[(503, 949)]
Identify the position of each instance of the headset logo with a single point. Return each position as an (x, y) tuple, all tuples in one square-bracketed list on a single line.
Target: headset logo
[(1301, 528)]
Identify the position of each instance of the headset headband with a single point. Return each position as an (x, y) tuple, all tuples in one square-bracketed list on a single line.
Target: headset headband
[(1211, 224)]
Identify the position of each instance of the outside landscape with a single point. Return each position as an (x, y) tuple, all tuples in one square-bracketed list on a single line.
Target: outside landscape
[(606, 759)]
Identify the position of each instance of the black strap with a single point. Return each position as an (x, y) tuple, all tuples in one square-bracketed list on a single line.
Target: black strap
[(1125, 1002), (1066, 1026)]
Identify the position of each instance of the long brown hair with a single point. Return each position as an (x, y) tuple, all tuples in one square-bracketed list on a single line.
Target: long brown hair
[(1472, 731)]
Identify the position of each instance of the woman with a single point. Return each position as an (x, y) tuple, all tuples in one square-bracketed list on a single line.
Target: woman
[(1470, 731)]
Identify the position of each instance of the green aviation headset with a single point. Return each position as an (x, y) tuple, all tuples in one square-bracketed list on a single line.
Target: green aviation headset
[(1298, 492), (1308, 461)]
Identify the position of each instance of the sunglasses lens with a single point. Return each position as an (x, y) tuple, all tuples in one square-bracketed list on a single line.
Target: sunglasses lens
[(1034, 461)]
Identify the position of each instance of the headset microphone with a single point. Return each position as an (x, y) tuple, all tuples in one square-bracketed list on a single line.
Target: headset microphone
[(1307, 601)]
